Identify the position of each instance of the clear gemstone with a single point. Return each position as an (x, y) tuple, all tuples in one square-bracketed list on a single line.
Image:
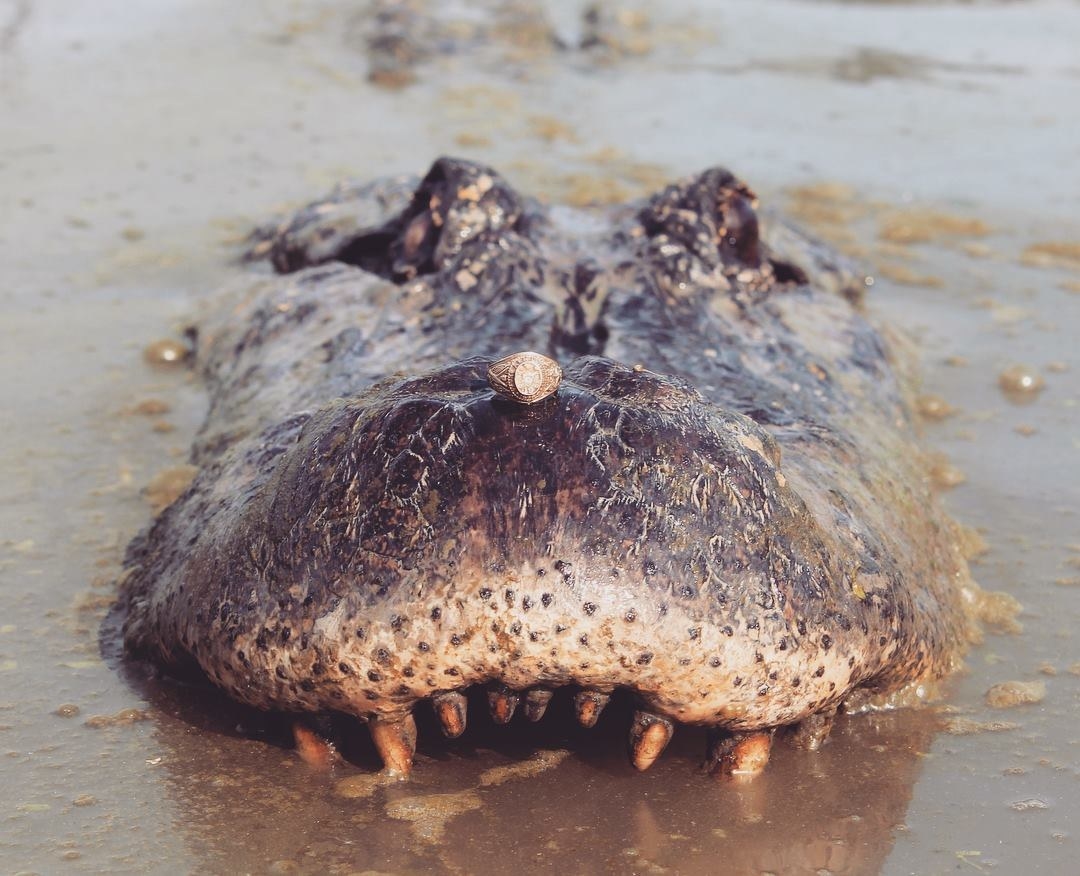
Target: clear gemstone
[(528, 378)]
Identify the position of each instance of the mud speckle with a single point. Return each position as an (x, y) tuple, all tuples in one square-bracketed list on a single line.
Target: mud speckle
[(1029, 804), (168, 485), (429, 814), (364, 785), (996, 609), (905, 276), (123, 718), (1052, 254), (533, 766), (933, 407), (971, 727), (971, 543), (166, 352), (943, 474), (926, 226), (151, 407), (1021, 383), (1010, 694)]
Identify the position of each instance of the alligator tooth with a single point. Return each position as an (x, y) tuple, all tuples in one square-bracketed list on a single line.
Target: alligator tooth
[(649, 735), (395, 741), (536, 702), (739, 755), (450, 708), (315, 751), (813, 732), (588, 704), (502, 701)]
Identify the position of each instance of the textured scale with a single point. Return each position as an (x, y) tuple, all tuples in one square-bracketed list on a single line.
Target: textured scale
[(720, 509)]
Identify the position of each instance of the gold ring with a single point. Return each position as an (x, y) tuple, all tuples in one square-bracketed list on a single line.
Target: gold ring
[(525, 377)]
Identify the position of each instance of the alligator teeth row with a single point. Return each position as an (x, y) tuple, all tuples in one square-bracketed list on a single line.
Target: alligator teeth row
[(739, 755)]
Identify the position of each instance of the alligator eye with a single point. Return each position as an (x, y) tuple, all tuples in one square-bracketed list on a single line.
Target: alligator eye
[(525, 377)]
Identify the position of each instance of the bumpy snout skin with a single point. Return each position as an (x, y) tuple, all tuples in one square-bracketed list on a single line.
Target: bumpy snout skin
[(721, 509)]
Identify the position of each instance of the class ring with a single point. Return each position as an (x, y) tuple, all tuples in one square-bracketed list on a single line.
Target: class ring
[(525, 377)]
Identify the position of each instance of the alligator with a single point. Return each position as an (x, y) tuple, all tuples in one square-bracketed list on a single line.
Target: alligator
[(458, 438)]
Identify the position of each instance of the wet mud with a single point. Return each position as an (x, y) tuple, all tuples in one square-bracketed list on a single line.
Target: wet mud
[(138, 145)]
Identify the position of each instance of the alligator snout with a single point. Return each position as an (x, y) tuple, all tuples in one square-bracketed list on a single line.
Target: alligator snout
[(409, 486)]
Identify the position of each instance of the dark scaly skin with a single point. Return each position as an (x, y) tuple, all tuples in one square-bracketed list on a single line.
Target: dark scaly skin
[(722, 509)]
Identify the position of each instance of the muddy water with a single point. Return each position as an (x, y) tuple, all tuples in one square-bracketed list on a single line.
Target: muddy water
[(138, 142)]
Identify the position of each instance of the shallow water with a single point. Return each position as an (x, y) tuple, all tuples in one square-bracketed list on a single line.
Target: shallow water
[(139, 142)]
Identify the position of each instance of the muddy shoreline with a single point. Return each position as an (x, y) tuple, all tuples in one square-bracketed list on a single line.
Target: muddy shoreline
[(139, 146)]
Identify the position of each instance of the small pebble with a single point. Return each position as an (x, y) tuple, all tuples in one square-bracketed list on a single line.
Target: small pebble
[(933, 407)]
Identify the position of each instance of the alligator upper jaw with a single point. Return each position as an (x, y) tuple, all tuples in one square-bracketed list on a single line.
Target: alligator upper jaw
[(435, 456), (583, 540), (437, 484), (620, 469)]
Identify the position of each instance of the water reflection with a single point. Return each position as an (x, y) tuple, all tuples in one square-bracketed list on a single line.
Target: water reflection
[(485, 802)]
